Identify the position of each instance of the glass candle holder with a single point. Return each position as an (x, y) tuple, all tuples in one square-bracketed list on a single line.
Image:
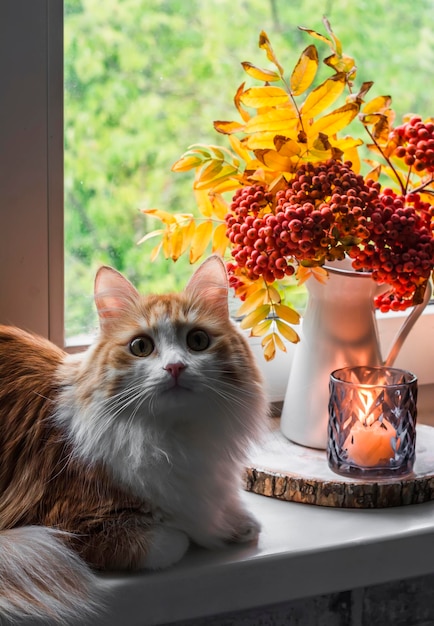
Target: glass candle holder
[(372, 422)]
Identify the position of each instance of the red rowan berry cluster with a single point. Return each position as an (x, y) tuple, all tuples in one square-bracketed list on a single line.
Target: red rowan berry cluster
[(415, 144), (321, 214), (251, 225), (400, 251), (328, 206)]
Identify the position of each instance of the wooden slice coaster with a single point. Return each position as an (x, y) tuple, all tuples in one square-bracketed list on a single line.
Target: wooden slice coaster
[(282, 469)]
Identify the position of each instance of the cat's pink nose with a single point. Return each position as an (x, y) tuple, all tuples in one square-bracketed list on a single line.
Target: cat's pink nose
[(175, 369)]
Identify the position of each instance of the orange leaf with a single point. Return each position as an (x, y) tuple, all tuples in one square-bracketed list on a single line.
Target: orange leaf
[(285, 312), (305, 71), (200, 241), (319, 273), (269, 347), (237, 100), (287, 332)]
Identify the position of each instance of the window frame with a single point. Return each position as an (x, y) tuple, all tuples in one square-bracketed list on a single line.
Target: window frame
[(31, 184), (31, 175)]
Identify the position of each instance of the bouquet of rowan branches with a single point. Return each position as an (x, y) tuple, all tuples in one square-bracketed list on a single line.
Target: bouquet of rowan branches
[(287, 196)]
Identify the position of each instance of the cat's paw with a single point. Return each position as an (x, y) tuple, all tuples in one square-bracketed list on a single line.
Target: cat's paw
[(167, 546), (246, 529)]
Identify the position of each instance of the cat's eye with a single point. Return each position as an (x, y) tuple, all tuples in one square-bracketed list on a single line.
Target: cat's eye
[(198, 340), (141, 346)]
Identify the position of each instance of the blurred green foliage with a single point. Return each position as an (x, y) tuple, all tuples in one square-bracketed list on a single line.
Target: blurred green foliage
[(144, 79)]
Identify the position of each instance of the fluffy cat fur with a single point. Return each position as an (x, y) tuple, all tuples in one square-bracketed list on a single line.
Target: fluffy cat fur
[(118, 457)]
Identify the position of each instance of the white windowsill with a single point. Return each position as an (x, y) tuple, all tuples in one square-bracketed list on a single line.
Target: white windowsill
[(303, 551)]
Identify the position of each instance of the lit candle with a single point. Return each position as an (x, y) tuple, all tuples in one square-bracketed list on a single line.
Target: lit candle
[(372, 421), (370, 440), (371, 445)]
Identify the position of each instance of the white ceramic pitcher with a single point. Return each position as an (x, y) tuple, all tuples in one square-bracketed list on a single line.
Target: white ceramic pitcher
[(338, 330)]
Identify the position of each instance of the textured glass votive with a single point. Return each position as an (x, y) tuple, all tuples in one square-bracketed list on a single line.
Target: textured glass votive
[(372, 421)]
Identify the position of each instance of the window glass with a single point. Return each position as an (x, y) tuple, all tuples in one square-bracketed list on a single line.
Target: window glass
[(144, 79)]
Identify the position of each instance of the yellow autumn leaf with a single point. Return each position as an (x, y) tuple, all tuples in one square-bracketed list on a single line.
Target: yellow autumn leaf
[(219, 205), (186, 163), (342, 63), (210, 171), (287, 332), (259, 73), (222, 174), (377, 105), (226, 128), (167, 246), (275, 121), (269, 347), (256, 316), (264, 44), (304, 71), (219, 240), (260, 141), (285, 312), (273, 295), (352, 154), (176, 238), (154, 233), (279, 343), (156, 251), (200, 240), (188, 231), (316, 35), (203, 202), (287, 147), (164, 216), (258, 97), (323, 96), (337, 44), (261, 328), (335, 121), (239, 148), (229, 184), (275, 161), (252, 301)]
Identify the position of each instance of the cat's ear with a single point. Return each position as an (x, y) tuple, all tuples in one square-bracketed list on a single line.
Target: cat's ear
[(112, 293), (209, 283)]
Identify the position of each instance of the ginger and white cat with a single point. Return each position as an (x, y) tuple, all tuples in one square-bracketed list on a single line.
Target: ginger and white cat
[(118, 457)]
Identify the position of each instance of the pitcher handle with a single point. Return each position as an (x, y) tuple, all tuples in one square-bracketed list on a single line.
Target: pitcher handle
[(407, 326)]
